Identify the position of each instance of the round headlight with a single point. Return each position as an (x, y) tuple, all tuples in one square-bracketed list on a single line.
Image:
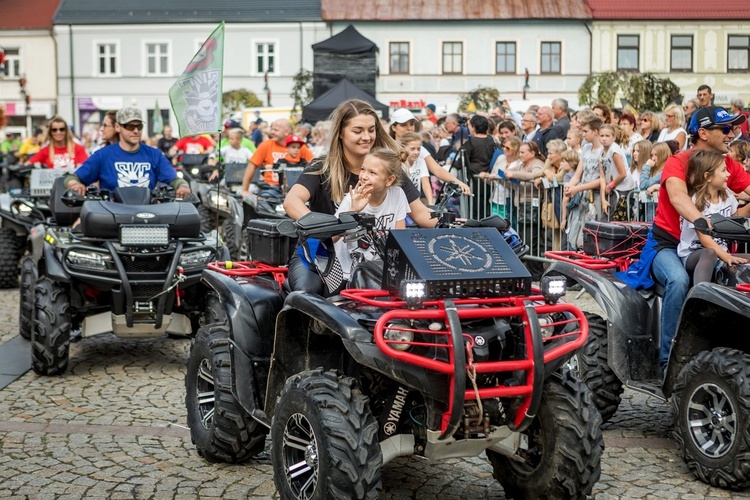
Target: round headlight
[(399, 335)]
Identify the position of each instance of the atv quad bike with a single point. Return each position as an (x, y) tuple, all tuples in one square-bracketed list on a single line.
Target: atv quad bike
[(130, 267), (708, 375), (468, 363), (21, 209)]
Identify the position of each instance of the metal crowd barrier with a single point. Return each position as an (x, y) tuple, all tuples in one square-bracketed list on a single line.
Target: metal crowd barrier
[(528, 210)]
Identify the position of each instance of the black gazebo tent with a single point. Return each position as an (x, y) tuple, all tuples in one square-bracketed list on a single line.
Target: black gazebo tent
[(348, 55), (324, 105)]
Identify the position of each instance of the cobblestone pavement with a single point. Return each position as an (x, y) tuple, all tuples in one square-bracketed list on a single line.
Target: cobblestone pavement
[(114, 427)]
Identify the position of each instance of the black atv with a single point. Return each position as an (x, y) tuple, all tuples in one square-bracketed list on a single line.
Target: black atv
[(442, 350), (131, 267), (266, 201), (21, 209), (708, 376)]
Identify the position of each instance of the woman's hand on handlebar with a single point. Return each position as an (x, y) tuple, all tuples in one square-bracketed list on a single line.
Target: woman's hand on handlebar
[(465, 189)]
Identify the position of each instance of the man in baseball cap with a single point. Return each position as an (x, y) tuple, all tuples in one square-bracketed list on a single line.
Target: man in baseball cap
[(712, 116), (128, 115), (711, 130), (128, 162)]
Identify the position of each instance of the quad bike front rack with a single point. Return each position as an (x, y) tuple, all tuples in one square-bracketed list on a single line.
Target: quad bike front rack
[(246, 269), (539, 350)]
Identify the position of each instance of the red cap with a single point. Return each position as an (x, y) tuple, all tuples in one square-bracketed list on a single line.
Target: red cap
[(292, 139)]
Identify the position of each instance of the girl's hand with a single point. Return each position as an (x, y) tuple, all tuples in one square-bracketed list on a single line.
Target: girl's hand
[(607, 189), (651, 189), (570, 190), (563, 224), (605, 205), (465, 189), (650, 162), (360, 196), (733, 260)]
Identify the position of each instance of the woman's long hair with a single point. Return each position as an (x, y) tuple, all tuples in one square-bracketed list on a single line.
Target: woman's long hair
[(69, 142), (701, 167), (662, 155), (336, 167)]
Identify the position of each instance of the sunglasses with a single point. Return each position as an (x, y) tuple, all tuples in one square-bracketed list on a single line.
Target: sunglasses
[(725, 129), (58, 129), (133, 126)]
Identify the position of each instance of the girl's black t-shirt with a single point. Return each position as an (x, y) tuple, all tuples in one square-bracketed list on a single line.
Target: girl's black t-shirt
[(320, 189)]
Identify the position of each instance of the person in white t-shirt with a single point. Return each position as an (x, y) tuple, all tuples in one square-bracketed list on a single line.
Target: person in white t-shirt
[(614, 168), (234, 152), (674, 130), (707, 184), (415, 166), (376, 193)]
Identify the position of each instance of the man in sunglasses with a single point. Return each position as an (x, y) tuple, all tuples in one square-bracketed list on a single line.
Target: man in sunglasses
[(711, 129), (128, 162)]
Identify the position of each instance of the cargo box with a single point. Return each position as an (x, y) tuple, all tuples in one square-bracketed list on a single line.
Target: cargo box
[(266, 244), (614, 239)]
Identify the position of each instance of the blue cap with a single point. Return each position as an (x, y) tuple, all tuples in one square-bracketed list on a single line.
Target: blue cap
[(431, 107), (712, 115)]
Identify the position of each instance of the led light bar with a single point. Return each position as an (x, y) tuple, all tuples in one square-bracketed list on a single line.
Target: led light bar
[(144, 235)]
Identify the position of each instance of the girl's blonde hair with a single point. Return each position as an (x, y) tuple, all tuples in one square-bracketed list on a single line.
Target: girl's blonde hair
[(410, 137), (392, 160), (662, 155), (515, 143), (336, 167), (701, 167), (617, 132), (577, 133), (644, 153), (572, 157)]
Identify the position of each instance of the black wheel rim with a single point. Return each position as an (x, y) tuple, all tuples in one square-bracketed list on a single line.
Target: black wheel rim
[(711, 420), (300, 452), (206, 397)]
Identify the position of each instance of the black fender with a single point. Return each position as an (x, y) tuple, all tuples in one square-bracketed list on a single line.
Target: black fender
[(313, 332), (251, 307), (713, 316), (633, 329), (52, 267)]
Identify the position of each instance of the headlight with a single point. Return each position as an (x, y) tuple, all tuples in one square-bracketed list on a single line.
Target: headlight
[(195, 171), (399, 335), (413, 292), (553, 287), (219, 201), (199, 258), (144, 235), (180, 174), (23, 208), (90, 260)]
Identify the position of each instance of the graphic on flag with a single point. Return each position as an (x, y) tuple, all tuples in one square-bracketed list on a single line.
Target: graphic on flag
[(196, 95), (157, 122)]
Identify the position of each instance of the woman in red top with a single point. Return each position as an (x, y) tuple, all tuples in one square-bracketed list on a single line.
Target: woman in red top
[(61, 151)]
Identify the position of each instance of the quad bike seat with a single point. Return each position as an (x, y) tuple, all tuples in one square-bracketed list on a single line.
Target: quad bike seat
[(368, 274), (102, 219)]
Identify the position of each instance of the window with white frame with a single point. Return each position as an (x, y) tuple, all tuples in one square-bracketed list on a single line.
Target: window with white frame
[(738, 54), (628, 52), (399, 58), (453, 57), (157, 59), (106, 59), (682, 53), (551, 57), (13, 67), (505, 57), (265, 56)]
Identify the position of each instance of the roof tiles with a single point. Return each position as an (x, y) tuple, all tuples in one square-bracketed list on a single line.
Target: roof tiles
[(452, 10), (27, 14), (699, 10)]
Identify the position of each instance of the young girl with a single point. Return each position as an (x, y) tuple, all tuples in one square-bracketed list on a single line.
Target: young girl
[(574, 139), (740, 152), (614, 178), (415, 167), (376, 193), (707, 184), (568, 166), (651, 172)]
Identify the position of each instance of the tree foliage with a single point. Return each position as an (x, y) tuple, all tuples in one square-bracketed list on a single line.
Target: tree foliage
[(485, 98), (645, 91), (239, 99), (302, 90)]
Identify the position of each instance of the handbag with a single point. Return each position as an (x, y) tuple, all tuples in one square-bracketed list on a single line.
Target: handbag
[(549, 219)]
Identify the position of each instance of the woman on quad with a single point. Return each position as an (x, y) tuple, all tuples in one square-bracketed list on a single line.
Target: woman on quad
[(355, 130), (61, 151)]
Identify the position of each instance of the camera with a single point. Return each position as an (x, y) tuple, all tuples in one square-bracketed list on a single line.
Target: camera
[(461, 120)]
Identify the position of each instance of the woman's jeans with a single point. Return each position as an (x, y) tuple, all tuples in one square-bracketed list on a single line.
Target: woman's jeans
[(668, 270)]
